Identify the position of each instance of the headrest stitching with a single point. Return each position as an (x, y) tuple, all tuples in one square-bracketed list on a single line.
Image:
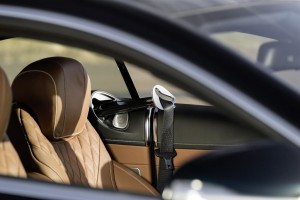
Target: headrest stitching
[(64, 102), (22, 73)]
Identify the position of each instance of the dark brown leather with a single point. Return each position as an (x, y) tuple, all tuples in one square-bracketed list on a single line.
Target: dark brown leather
[(10, 163), (69, 151), (57, 94)]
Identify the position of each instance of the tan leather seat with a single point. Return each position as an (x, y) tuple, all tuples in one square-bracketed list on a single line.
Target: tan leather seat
[(10, 163), (51, 132)]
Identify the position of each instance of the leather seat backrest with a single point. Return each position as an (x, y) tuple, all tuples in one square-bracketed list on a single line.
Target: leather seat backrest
[(51, 132), (10, 163)]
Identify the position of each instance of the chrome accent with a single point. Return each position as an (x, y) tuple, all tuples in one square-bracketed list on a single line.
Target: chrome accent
[(137, 171), (148, 123), (120, 120), (155, 131), (101, 96)]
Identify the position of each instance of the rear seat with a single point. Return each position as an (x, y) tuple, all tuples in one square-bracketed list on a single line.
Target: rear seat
[(10, 164)]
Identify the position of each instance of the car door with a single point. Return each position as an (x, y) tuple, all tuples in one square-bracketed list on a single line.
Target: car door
[(184, 71), (133, 134)]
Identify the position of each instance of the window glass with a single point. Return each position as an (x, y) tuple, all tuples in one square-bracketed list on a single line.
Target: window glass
[(246, 44), (17, 53), (144, 82), (281, 58)]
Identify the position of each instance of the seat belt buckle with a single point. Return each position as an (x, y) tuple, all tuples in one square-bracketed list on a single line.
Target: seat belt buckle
[(167, 157)]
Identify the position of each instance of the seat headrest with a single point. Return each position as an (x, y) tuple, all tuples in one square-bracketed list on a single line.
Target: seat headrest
[(56, 92), (5, 103)]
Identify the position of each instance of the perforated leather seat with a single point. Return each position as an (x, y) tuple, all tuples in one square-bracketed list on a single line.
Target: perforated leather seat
[(52, 135), (10, 163)]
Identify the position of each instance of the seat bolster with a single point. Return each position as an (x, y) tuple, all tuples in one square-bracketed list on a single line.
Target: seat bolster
[(38, 176), (127, 180), (10, 164), (34, 148)]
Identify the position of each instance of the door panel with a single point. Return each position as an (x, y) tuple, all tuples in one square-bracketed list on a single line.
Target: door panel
[(205, 127), (198, 130), (136, 133), (137, 157), (134, 157), (183, 156)]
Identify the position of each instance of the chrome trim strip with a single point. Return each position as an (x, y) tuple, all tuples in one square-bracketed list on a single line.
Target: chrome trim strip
[(155, 127), (148, 123), (136, 170)]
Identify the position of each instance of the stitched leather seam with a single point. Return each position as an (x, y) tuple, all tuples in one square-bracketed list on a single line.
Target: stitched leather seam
[(93, 158), (83, 159), (98, 171), (112, 176), (70, 165), (65, 101), (58, 152), (91, 152), (31, 152), (44, 163), (66, 158), (135, 179), (55, 89)]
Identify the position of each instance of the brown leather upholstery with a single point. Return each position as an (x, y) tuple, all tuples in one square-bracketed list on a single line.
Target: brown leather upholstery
[(10, 163), (51, 132)]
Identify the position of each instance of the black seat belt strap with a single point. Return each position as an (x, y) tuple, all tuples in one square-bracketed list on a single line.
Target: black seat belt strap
[(165, 101), (166, 151)]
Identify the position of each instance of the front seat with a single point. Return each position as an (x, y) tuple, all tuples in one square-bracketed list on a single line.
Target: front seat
[(52, 135), (10, 164)]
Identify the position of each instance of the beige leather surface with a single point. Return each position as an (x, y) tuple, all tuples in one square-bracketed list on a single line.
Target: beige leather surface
[(74, 160), (69, 151), (133, 157), (10, 163)]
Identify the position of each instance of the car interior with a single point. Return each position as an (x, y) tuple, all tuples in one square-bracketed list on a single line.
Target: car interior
[(65, 130), (10, 164)]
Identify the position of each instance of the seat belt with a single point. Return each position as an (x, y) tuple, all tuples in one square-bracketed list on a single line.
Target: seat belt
[(165, 101)]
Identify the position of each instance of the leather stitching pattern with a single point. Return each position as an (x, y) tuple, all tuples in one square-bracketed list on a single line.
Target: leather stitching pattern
[(80, 155), (55, 89), (37, 144), (10, 163)]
